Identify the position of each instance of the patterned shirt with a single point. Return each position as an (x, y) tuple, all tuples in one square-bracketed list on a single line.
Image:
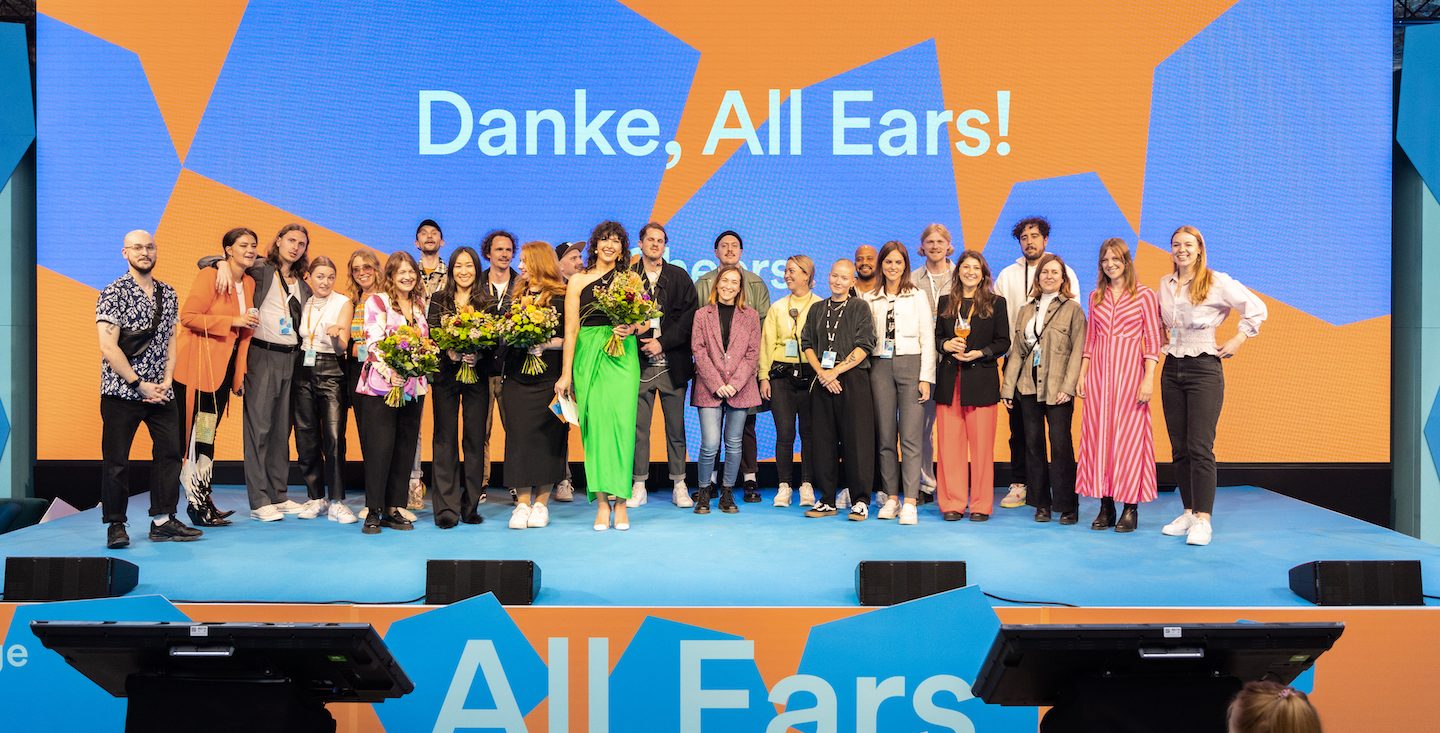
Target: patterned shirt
[(433, 281), (126, 305)]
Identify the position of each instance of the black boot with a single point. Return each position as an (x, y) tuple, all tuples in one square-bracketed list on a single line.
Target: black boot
[(702, 500), (727, 501), (1106, 518), (1129, 519), (1042, 514)]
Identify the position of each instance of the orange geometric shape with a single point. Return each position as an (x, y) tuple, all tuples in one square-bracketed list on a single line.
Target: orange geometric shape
[(181, 45)]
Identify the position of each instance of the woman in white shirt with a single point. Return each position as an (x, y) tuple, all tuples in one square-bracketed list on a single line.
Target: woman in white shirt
[(1194, 300), (902, 372), (319, 389)]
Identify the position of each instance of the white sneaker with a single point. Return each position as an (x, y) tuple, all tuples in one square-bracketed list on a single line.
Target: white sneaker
[(1199, 533), (406, 513), (927, 488), (313, 509), (842, 499), (880, 498), (637, 495), (289, 507), (564, 491), (539, 516), (782, 496), (908, 514), (681, 496), (520, 516), (888, 509), (807, 494), (267, 513), (1181, 526), (340, 513), (1014, 499)]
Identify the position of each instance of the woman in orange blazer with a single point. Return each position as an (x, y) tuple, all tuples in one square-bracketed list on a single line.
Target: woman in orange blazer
[(210, 364)]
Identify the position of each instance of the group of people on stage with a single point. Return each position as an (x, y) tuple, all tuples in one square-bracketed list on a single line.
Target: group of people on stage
[(895, 361)]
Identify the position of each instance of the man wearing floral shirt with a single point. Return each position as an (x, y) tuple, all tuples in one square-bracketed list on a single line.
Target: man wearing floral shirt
[(136, 318)]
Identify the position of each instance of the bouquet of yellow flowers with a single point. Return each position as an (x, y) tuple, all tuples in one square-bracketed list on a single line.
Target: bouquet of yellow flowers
[(625, 302), (467, 331), (409, 354), (526, 326)]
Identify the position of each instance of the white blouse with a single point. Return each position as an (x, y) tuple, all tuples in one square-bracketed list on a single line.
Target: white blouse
[(318, 315), (1191, 326), (914, 326)]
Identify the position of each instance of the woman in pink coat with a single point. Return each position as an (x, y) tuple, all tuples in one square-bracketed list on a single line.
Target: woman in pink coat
[(726, 342)]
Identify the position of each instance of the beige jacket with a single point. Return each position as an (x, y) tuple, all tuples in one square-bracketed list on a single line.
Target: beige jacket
[(1061, 345)]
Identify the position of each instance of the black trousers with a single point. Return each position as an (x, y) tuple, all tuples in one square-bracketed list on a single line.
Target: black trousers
[(450, 396), (843, 429), (388, 438), (749, 448), (119, 419), (1192, 391), (1018, 472), (1051, 484), (319, 421), (789, 399)]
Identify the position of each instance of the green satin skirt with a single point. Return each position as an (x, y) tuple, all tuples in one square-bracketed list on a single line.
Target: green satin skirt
[(606, 390)]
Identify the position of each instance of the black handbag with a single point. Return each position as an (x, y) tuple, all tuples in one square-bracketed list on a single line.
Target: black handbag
[(134, 343)]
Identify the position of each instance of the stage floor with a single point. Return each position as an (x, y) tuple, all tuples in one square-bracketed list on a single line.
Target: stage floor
[(763, 556)]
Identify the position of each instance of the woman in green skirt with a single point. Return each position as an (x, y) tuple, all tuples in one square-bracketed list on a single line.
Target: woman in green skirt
[(603, 386)]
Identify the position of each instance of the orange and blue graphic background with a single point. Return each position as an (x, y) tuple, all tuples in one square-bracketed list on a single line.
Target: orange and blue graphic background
[(1242, 118)]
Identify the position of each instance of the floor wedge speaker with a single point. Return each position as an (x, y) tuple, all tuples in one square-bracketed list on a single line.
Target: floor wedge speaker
[(514, 582), (887, 582), (1358, 582), (67, 578)]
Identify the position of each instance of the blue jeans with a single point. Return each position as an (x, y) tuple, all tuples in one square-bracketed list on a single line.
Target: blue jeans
[(710, 419)]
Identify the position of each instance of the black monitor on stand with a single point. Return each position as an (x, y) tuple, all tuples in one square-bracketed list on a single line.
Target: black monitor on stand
[(229, 676), (1172, 677)]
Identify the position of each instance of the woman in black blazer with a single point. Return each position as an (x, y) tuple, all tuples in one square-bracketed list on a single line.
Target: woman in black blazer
[(971, 334)]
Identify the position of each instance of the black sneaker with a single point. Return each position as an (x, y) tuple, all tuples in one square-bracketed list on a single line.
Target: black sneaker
[(116, 537), (752, 494), (394, 520), (372, 523), (821, 509), (702, 500), (171, 530), (727, 501)]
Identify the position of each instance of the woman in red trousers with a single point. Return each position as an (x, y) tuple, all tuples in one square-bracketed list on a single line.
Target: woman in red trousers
[(1117, 374), (971, 333)]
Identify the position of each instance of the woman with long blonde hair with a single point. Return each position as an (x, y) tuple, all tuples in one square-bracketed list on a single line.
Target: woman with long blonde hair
[(1194, 300)]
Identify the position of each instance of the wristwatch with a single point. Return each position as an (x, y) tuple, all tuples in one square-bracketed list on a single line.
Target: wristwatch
[(135, 384)]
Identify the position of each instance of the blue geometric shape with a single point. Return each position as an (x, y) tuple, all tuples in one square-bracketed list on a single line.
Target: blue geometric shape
[(1419, 115), (106, 159), (937, 667), (17, 115), (820, 204), (1277, 147), (45, 673), (656, 646), (1432, 433), (430, 648), (4, 429), (334, 138), (1082, 214)]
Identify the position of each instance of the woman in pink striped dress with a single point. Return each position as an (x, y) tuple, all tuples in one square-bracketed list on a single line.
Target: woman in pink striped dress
[(1117, 371)]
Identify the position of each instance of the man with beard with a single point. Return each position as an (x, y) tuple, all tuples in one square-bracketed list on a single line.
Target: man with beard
[(867, 273), (136, 317), (498, 283), (728, 250), (1014, 283), (429, 240), (571, 258), (665, 363)]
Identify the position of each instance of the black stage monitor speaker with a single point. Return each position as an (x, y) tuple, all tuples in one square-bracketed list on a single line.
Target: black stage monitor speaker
[(514, 582), (67, 578), (1358, 582), (887, 582)]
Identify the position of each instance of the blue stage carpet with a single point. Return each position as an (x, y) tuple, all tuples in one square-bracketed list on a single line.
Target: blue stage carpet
[(763, 556)]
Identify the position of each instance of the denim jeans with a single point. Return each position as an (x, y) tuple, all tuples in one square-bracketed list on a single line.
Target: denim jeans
[(710, 421)]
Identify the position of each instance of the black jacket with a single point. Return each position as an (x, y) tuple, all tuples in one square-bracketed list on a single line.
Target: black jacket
[(264, 275), (675, 292), (980, 379)]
